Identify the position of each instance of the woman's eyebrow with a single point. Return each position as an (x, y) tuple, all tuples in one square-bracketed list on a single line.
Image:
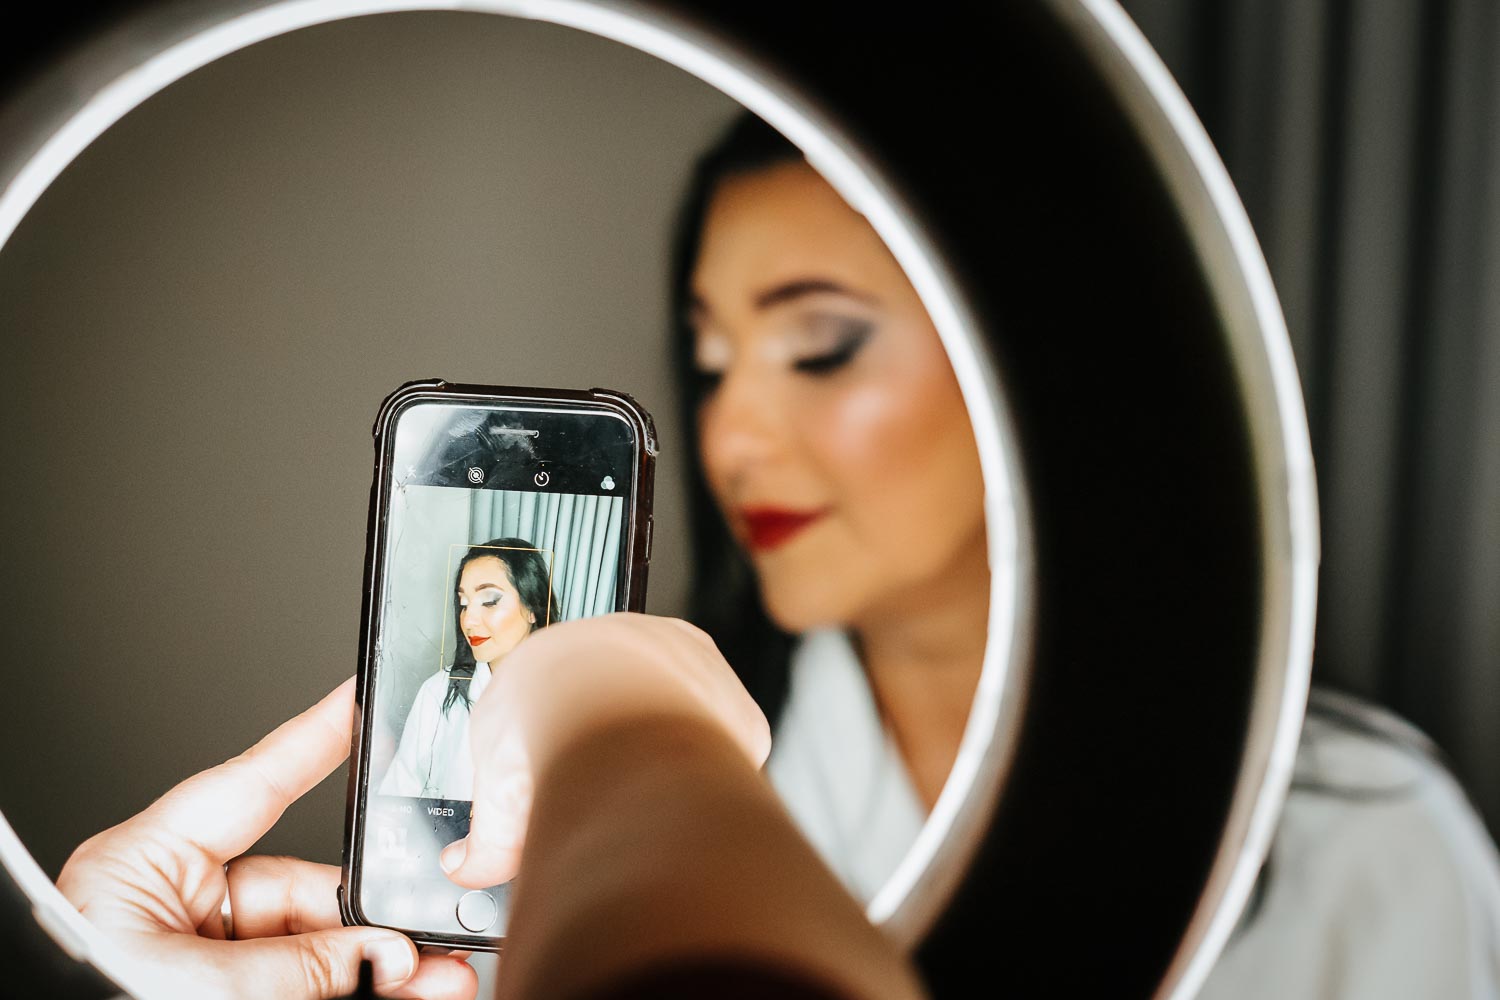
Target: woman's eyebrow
[(482, 586), (790, 290)]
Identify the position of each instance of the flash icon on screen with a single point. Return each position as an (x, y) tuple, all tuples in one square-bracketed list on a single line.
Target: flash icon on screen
[(608, 484)]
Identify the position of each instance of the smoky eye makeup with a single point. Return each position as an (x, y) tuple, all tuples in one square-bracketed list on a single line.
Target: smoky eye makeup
[(712, 355), (830, 343), (814, 343), (487, 598), (711, 351)]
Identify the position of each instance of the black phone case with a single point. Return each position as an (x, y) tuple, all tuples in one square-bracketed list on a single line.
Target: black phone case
[(636, 546)]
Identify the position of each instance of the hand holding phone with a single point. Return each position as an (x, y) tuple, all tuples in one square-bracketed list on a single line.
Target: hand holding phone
[(495, 513), (202, 919), (579, 678)]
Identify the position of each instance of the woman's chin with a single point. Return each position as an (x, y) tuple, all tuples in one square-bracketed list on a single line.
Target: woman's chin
[(798, 612), (491, 656)]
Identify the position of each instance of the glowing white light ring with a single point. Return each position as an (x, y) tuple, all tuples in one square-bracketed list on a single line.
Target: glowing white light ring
[(922, 882), (1258, 342), (1262, 353)]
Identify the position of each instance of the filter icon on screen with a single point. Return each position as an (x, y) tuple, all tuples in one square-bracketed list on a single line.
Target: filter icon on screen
[(608, 483), (476, 475)]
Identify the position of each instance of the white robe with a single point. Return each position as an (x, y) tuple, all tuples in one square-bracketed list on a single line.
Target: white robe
[(433, 759), (838, 771), (1383, 897)]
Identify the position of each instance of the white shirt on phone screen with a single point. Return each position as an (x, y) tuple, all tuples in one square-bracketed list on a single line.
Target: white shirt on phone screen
[(432, 759)]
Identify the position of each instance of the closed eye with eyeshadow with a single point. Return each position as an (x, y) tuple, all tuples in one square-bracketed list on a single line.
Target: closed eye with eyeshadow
[(816, 344), (848, 335)]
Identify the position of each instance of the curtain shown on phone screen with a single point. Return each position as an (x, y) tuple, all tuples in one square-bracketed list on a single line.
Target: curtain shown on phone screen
[(582, 533)]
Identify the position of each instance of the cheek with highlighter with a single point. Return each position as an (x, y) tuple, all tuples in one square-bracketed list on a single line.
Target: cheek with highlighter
[(491, 620), (897, 447), (483, 617), (473, 625)]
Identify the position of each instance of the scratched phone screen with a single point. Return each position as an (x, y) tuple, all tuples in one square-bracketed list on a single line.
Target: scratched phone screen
[(500, 521)]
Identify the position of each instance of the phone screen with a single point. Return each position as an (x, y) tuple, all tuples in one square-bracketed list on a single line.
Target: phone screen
[(499, 520)]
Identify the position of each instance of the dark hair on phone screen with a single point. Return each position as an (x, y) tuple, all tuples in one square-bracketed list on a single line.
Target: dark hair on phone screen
[(528, 573), (724, 600)]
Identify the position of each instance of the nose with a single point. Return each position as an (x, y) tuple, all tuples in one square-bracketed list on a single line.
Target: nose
[(740, 426), (463, 618)]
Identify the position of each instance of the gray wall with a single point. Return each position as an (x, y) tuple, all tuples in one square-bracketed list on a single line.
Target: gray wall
[(199, 320)]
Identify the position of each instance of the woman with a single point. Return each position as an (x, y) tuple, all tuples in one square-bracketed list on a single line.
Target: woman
[(502, 592), (839, 496), (827, 417)]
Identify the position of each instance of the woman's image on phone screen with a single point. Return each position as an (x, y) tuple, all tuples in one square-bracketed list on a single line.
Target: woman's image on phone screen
[(502, 592)]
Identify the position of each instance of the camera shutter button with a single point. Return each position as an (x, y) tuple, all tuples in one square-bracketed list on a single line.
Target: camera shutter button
[(477, 910)]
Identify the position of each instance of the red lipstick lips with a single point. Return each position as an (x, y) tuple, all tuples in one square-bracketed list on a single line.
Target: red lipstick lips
[(475, 640), (769, 527)]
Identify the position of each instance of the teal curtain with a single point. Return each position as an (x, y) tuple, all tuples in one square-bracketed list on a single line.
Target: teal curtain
[(579, 536)]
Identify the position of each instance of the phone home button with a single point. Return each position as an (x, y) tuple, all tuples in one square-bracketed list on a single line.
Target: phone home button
[(477, 911)]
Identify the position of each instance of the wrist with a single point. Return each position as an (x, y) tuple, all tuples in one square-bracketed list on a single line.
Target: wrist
[(655, 843)]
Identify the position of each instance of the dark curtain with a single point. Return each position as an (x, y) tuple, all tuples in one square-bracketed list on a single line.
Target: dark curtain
[(1362, 135)]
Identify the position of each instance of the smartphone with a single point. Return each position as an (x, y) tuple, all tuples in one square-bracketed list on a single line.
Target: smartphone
[(495, 511)]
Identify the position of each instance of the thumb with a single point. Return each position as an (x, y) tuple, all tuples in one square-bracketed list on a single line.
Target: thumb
[(491, 853), (322, 965)]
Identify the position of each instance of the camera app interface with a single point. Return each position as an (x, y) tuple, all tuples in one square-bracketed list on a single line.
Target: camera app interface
[(501, 522)]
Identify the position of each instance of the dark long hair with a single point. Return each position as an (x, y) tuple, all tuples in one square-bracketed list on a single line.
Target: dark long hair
[(724, 600), (528, 574)]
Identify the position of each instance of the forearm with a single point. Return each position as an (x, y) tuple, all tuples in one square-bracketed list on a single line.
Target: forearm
[(658, 844)]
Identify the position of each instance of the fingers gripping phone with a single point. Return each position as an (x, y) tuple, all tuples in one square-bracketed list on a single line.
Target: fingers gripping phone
[(494, 512)]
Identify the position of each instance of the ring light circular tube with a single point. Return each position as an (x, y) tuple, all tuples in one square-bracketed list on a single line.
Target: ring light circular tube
[(918, 888), (1242, 289), (1262, 352)]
